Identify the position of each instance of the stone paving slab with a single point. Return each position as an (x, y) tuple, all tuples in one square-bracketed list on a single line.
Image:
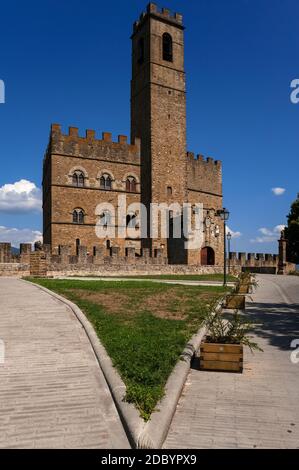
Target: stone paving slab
[(256, 409), (52, 391)]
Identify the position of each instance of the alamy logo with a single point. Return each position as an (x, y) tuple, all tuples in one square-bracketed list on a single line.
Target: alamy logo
[(2, 92), (295, 93), (185, 222), (295, 354), (2, 351)]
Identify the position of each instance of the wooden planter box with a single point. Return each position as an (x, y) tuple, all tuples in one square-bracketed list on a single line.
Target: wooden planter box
[(221, 357), (235, 301)]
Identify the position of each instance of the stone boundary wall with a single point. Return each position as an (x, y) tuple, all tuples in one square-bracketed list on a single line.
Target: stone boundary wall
[(107, 262), (263, 263), (14, 269), (253, 260), (128, 270)]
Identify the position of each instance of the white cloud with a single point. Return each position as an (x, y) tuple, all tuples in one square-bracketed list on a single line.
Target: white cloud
[(269, 235), (21, 196), (233, 234), (265, 231), (16, 236), (263, 239), (279, 228), (278, 191)]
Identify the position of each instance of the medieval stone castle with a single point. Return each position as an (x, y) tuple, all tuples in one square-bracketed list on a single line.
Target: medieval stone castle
[(81, 172)]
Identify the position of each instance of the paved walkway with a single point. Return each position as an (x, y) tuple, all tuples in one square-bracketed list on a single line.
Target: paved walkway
[(256, 409), (52, 391)]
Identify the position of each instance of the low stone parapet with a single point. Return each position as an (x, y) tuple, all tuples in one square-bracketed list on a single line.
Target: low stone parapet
[(127, 270), (14, 269)]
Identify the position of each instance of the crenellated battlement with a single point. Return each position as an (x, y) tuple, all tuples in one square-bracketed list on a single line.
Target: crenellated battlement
[(44, 261), (90, 136), (200, 159), (251, 258), (90, 146), (163, 14), (256, 262)]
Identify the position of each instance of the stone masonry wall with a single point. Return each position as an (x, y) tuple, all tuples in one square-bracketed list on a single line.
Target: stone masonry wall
[(93, 157), (204, 184), (104, 262)]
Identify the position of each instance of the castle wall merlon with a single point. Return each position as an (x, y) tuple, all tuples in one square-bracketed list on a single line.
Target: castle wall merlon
[(107, 136), (90, 134), (190, 155), (152, 8), (122, 139), (73, 132), (55, 128)]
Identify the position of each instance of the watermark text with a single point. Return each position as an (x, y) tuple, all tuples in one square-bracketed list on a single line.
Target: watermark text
[(2, 92), (295, 93), (295, 354), (2, 351), (185, 222)]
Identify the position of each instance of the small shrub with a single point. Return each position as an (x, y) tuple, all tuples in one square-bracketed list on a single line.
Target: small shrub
[(234, 331)]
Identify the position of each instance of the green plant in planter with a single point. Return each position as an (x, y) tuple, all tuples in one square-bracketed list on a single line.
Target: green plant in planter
[(234, 331), (246, 279)]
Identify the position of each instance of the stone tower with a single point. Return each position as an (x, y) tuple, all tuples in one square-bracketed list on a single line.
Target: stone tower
[(158, 109), (81, 173)]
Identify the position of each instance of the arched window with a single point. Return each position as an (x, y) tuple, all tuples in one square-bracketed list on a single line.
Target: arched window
[(140, 51), (106, 181), (78, 216), (105, 218), (167, 47), (78, 179), (131, 184)]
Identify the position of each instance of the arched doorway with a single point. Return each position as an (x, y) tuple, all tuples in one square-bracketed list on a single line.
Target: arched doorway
[(207, 256)]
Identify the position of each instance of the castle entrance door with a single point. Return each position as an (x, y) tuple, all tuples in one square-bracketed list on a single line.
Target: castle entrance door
[(207, 256)]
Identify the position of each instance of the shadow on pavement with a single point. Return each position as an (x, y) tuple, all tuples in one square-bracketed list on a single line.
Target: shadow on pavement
[(278, 323)]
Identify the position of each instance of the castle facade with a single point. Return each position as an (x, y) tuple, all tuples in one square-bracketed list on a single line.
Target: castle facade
[(81, 174)]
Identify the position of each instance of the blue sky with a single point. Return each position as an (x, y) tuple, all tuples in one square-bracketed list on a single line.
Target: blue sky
[(69, 62)]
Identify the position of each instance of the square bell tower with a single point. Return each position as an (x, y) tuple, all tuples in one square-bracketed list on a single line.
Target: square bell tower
[(158, 108)]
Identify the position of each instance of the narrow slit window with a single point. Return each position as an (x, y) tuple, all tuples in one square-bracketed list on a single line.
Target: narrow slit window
[(141, 51)]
